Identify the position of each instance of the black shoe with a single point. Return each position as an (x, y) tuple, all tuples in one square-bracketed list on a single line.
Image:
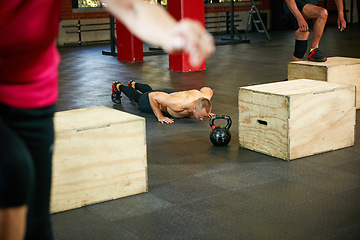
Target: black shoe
[(316, 56), (116, 94)]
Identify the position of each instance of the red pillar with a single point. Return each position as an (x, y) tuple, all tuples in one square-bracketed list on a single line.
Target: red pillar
[(180, 9), (129, 47)]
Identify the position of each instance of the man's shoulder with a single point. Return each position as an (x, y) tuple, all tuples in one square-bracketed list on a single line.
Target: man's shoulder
[(207, 91), (195, 91)]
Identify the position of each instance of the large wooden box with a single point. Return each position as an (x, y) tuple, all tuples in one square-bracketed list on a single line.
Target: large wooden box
[(99, 155), (335, 69), (298, 118)]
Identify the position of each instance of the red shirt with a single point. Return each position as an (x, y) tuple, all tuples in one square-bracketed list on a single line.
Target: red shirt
[(28, 55)]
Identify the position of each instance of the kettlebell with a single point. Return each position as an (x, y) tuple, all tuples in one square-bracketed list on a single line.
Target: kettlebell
[(220, 136)]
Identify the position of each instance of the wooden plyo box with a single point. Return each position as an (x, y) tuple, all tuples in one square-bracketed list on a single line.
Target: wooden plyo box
[(335, 69), (99, 155), (298, 118)]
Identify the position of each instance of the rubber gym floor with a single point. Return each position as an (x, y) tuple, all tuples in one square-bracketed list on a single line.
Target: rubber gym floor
[(196, 190)]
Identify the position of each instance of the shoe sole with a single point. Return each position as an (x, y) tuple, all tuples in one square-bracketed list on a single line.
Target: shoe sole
[(113, 98), (317, 61)]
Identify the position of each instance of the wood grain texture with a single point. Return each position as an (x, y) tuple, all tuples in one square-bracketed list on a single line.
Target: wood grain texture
[(263, 122), (99, 155), (335, 69), (299, 118)]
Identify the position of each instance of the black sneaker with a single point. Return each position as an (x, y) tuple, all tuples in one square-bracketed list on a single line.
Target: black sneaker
[(316, 56), (115, 94)]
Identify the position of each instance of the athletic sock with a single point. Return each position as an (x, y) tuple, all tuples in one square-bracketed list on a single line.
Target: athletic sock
[(117, 86)]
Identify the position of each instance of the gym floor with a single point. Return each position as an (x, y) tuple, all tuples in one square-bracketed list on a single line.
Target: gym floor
[(198, 191)]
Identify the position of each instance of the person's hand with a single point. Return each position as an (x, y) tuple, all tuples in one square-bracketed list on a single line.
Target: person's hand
[(208, 116), (341, 23), (165, 120), (303, 26), (191, 37)]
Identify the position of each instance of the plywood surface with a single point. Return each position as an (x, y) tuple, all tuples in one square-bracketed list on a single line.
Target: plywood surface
[(335, 69), (100, 154), (296, 87), (293, 119)]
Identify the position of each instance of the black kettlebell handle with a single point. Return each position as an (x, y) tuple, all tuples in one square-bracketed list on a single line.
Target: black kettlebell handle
[(212, 119)]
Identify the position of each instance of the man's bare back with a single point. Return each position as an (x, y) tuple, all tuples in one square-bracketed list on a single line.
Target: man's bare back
[(191, 103), (177, 104)]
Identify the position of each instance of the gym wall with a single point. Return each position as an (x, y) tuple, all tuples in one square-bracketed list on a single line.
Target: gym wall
[(88, 26)]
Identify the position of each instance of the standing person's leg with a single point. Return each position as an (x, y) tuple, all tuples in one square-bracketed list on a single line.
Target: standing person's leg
[(320, 15), (301, 42), (301, 37), (13, 222), (16, 180), (27, 138), (40, 141)]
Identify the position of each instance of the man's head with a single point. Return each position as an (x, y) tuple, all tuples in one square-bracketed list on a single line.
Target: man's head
[(202, 108)]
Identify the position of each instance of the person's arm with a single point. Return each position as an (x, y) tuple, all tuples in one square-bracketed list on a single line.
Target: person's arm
[(303, 26), (160, 98), (153, 24), (340, 21)]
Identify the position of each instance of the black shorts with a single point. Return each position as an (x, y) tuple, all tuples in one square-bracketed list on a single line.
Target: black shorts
[(300, 4), (144, 103)]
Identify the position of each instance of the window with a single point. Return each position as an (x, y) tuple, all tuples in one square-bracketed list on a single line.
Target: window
[(97, 3), (86, 4), (223, 1)]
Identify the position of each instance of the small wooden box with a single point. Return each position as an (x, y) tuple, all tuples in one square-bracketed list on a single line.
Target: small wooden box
[(99, 155), (335, 69), (298, 118)]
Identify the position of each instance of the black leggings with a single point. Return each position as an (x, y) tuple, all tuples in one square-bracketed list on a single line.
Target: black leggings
[(26, 146), (133, 94), (141, 95)]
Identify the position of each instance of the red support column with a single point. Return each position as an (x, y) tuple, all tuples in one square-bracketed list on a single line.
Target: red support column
[(129, 47), (180, 9)]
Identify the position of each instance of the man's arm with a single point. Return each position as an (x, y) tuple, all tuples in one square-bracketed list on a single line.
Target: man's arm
[(340, 21), (153, 24), (303, 26), (160, 98)]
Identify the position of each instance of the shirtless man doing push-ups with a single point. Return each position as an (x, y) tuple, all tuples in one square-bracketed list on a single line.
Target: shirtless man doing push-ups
[(192, 103)]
